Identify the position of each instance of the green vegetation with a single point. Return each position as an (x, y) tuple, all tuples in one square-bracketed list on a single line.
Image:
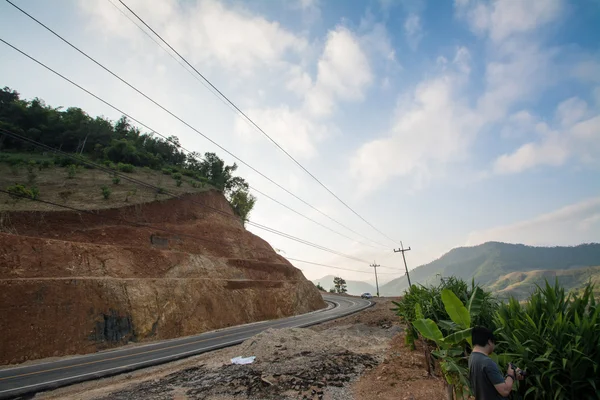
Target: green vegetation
[(554, 336), (339, 285), (118, 145), (115, 179), (105, 192), (125, 167), (71, 171), (321, 288), (18, 191)]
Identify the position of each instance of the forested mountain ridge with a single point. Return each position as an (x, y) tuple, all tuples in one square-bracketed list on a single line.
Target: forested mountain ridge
[(489, 262), (100, 140)]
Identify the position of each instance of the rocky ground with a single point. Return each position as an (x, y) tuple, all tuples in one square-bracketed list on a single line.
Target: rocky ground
[(358, 357)]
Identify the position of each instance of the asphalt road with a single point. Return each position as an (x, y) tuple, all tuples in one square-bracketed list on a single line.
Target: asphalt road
[(24, 380)]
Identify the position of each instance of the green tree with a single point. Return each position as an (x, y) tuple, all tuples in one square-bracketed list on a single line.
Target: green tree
[(242, 203), (339, 285), (321, 288)]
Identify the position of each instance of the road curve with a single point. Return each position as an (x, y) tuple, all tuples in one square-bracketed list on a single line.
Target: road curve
[(24, 380)]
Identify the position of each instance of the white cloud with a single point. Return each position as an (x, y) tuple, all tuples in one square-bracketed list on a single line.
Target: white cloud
[(571, 111), (308, 4), (413, 30), (344, 73), (587, 71), (293, 130), (577, 135), (432, 128), (517, 71), (298, 81), (548, 152), (573, 224), (504, 18), (462, 60), (207, 32)]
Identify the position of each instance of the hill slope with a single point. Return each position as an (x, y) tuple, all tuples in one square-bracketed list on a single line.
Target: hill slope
[(488, 262), (74, 283), (354, 287)]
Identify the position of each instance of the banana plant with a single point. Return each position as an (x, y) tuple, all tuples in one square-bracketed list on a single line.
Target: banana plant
[(451, 349)]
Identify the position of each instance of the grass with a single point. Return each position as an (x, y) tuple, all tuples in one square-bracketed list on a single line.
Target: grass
[(84, 190)]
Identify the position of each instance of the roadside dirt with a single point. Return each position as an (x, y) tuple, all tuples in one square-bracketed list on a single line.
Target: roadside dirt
[(358, 357)]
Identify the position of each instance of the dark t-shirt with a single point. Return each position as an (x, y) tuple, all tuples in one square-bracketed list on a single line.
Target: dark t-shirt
[(484, 374)]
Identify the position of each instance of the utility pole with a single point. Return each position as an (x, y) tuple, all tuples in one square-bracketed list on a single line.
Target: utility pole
[(402, 250), (374, 265)]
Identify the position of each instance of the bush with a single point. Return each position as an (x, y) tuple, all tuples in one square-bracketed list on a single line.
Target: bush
[(125, 167), (15, 160), (107, 163), (188, 172), (71, 171), (167, 171), (31, 176), (63, 161), (556, 338), (116, 180), (46, 164), (177, 176), (105, 192), (160, 190), (178, 182), (30, 166), (18, 191)]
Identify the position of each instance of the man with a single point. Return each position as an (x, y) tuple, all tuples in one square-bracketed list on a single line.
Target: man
[(486, 379)]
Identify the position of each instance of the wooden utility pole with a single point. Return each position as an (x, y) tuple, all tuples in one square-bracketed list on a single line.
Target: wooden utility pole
[(374, 265), (402, 250)]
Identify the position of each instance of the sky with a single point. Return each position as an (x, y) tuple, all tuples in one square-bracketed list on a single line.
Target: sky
[(442, 124)]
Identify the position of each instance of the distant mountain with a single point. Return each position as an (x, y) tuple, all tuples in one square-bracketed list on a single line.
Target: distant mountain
[(354, 287), (494, 262)]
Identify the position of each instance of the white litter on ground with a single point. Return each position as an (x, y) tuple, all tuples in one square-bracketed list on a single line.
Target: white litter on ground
[(243, 360)]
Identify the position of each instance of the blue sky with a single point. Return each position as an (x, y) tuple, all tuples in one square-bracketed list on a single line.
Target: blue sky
[(442, 123)]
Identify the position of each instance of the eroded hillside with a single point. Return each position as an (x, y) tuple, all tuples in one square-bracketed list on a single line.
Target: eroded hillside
[(78, 282)]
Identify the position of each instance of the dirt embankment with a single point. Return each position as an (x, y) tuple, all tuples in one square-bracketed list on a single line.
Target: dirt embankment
[(73, 283)]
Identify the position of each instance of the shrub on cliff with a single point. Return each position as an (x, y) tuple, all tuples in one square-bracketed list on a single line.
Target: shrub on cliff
[(18, 191), (125, 167), (105, 192)]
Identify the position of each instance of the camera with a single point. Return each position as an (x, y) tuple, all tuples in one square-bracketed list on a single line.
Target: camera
[(521, 372)]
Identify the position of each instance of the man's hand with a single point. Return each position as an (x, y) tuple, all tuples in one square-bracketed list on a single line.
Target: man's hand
[(510, 371)]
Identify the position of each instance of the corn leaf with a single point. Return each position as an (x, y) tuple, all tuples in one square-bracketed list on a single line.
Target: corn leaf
[(418, 311)]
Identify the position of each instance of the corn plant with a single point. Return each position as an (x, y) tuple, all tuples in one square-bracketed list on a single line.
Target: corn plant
[(451, 349), (556, 338), (432, 306)]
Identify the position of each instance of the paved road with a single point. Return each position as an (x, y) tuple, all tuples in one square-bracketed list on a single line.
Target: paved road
[(36, 378)]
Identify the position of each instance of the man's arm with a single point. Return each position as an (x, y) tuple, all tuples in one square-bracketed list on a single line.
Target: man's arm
[(503, 386)]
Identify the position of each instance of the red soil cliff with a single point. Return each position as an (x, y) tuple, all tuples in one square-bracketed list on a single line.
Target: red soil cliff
[(73, 283)]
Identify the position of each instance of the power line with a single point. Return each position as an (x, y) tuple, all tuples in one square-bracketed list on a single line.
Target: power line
[(340, 268), (265, 228), (310, 219), (173, 115), (139, 182), (255, 125), (142, 124)]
